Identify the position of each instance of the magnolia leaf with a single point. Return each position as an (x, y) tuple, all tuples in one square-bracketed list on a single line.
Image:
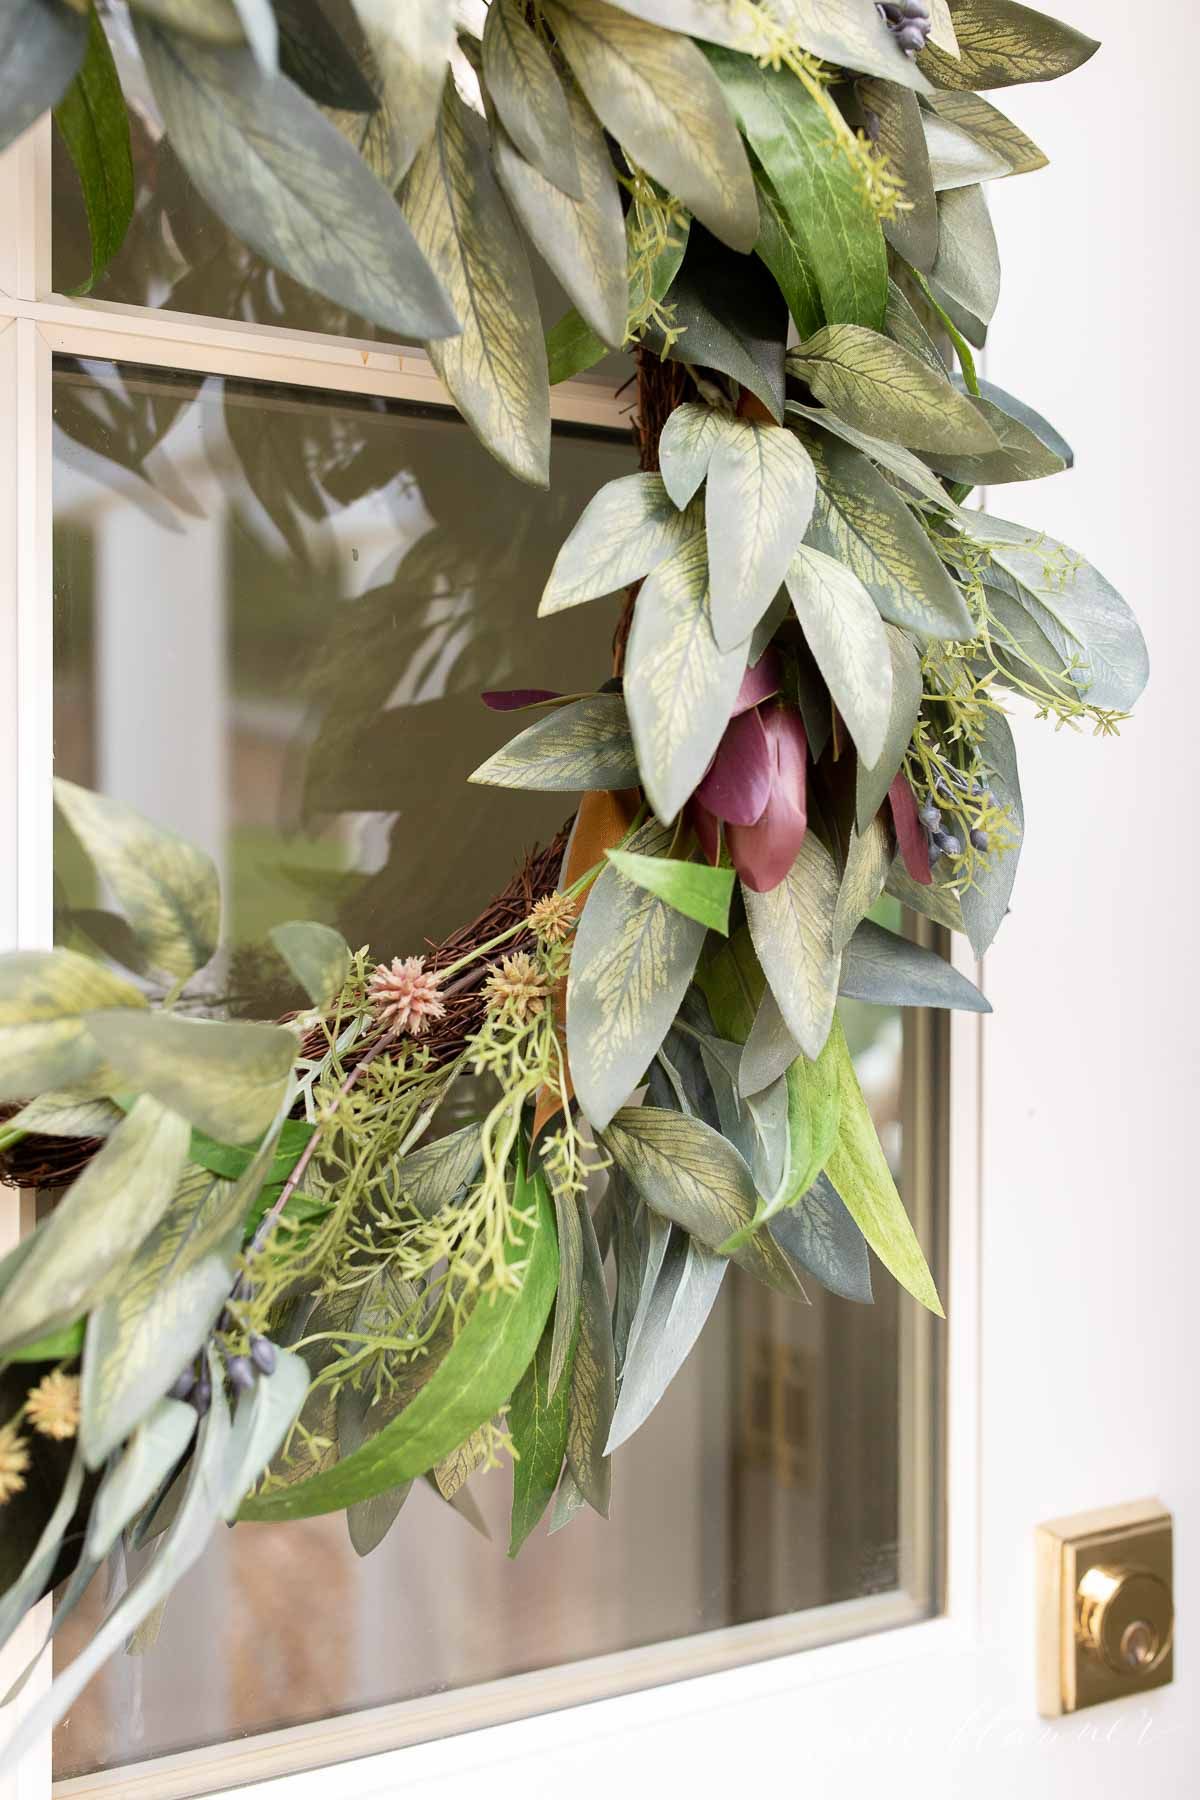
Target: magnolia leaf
[(886, 970), (792, 930), (623, 533), (630, 967), (936, 902), (593, 1379), (845, 633), (428, 1179), (726, 314), (868, 860), (34, 1578), (818, 1233), (985, 902), (577, 747), (956, 159), (905, 464), (812, 1107), (680, 687), (226, 1077), (168, 889), (263, 1419), (317, 955), (67, 1115), (680, 1288), (967, 270), (685, 448), (988, 126), (537, 1424), (145, 1463), (694, 889), (77, 1252), (693, 1176), (758, 503), (655, 93), (289, 186), (474, 1379), (41, 49), (859, 1172), (572, 346), (894, 122), (496, 367), (581, 239), (787, 259), (95, 128), (873, 383), (820, 191), (1080, 612), (861, 521), (569, 1226), (412, 46), (1001, 43), (525, 89), (874, 780)]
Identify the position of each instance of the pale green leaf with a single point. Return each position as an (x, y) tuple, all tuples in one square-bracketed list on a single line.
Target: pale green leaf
[(758, 503), (812, 1109), (227, 1078), (41, 48), (967, 270), (868, 859), (886, 970), (882, 388), (850, 33), (770, 1047), (680, 1286), (45, 1039), (655, 93), (729, 22), (685, 447), (942, 31), (317, 955), (936, 902), (873, 781), (990, 127), (151, 1453), (906, 329), (412, 45), (956, 159), (849, 640), (1023, 454), (906, 465), (67, 1115), (524, 87), (593, 1379), (623, 533), (1001, 43), (792, 930), (893, 118), (572, 346), (985, 902), (631, 964), (694, 889), (263, 1419), (574, 748)]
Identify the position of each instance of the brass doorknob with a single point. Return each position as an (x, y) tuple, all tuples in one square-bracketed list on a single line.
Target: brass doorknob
[(1125, 1618)]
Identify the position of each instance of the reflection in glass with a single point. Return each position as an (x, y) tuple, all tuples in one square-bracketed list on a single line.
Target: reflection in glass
[(274, 613)]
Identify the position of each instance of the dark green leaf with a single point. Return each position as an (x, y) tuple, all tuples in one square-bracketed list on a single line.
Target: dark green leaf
[(95, 127), (896, 116), (593, 1379), (782, 250), (886, 970), (730, 316), (322, 59), (817, 1232), (537, 1422)]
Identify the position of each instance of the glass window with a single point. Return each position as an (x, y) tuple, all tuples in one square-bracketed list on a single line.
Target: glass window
[(274, 613)]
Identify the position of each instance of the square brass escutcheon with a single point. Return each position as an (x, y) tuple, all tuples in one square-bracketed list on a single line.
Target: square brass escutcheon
[(1105, 1606)]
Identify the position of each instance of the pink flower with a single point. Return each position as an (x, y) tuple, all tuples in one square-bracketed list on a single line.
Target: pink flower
[(756, 786), (405, 995)]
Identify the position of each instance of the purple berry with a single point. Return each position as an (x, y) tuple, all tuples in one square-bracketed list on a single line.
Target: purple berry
[(979, 839), (263, 1355), (910, 38), (183, 1384), (915, 9), (929, 816), (950, 844), (241, 1374), (201, 1395)]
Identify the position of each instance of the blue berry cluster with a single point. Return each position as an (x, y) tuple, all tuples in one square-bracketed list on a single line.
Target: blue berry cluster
[(943, 842), (195, 1383), (910, 21)]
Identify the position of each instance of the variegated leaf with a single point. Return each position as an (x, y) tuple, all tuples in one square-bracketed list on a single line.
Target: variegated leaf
[(572, 346), (656, 94), (428, 1179), (679, 686), (1023, 454), (936, 902), (692, 1175), (686, 445), (593, 1379), (868, 860), (956, 159), (623, 533), (680, 1287), (770, 1048), (792, 929), (317, 955), (67, 1115), (496, 367), (454, 1471), (1001, 43), (845, 633), (584, 745), (874, 781), (967, 270), (850, 33), (582, 239), (412, 45), (906, 465), (80, 1249), (875, 384), (45, 1042), (570, 1282), (904, 327), (861, 521), (167, 889), (630, 967), (985, 902), (227, 1077), (893, 119), (942, 33), (758, 503), (988, 126), (525, 89)]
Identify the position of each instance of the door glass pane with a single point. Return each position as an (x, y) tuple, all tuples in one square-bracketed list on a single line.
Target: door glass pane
[(274, 613)]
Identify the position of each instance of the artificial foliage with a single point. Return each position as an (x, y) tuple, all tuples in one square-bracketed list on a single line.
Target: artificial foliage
[(281, 1273)]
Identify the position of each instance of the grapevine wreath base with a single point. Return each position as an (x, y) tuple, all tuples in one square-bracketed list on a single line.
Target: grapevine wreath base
[(473, 1203)]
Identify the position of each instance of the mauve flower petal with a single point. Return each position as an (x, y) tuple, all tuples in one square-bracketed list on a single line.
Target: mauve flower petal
[(513, 699), (763, 853), (708, 831), (910, 835), (738, 783), (760, 682)]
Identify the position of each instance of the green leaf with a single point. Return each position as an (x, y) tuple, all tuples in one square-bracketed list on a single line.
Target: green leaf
[(329, 64), (845, 633), (786, 257), (42, 45), (899, 133), (679, 685), (95, 127), (262, 33), (34, 1578), (936, 902), (167, 888), (67, 1115), (985, 902), (685, 447), (692, 1175), (289, 186), (412, 45), (476, 1377), (262, 1421), (906, 329), (56, 1346), (569, 1226), (868, 859), (770, 1047), (728, 22), (967, 270), (582, 239), (758, 503), (525, 89), (655, 93), (317, 955), (680, 1286), (572, 346), (859, 1172), (813, 1107), (819, 191), (957, 159), (988, 126), (694, 889), (1018, 412), (537, 1423), (874, 780), (905, 464), (630, 968), (818, 1233), (232, 1160), (226, 1077), (732, 983), (727, 314), (151, 1453), (78, 1252), (211, 21), (593, 1379), (496, 367), (428, 1179), (1001, 43), (577, 747), (850, 34), (792, 930), (861, 521), (46, 997), (886, 970), (873, 383), (623, 532)]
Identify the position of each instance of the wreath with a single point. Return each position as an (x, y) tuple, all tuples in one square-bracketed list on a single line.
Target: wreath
[(281, 1276)]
